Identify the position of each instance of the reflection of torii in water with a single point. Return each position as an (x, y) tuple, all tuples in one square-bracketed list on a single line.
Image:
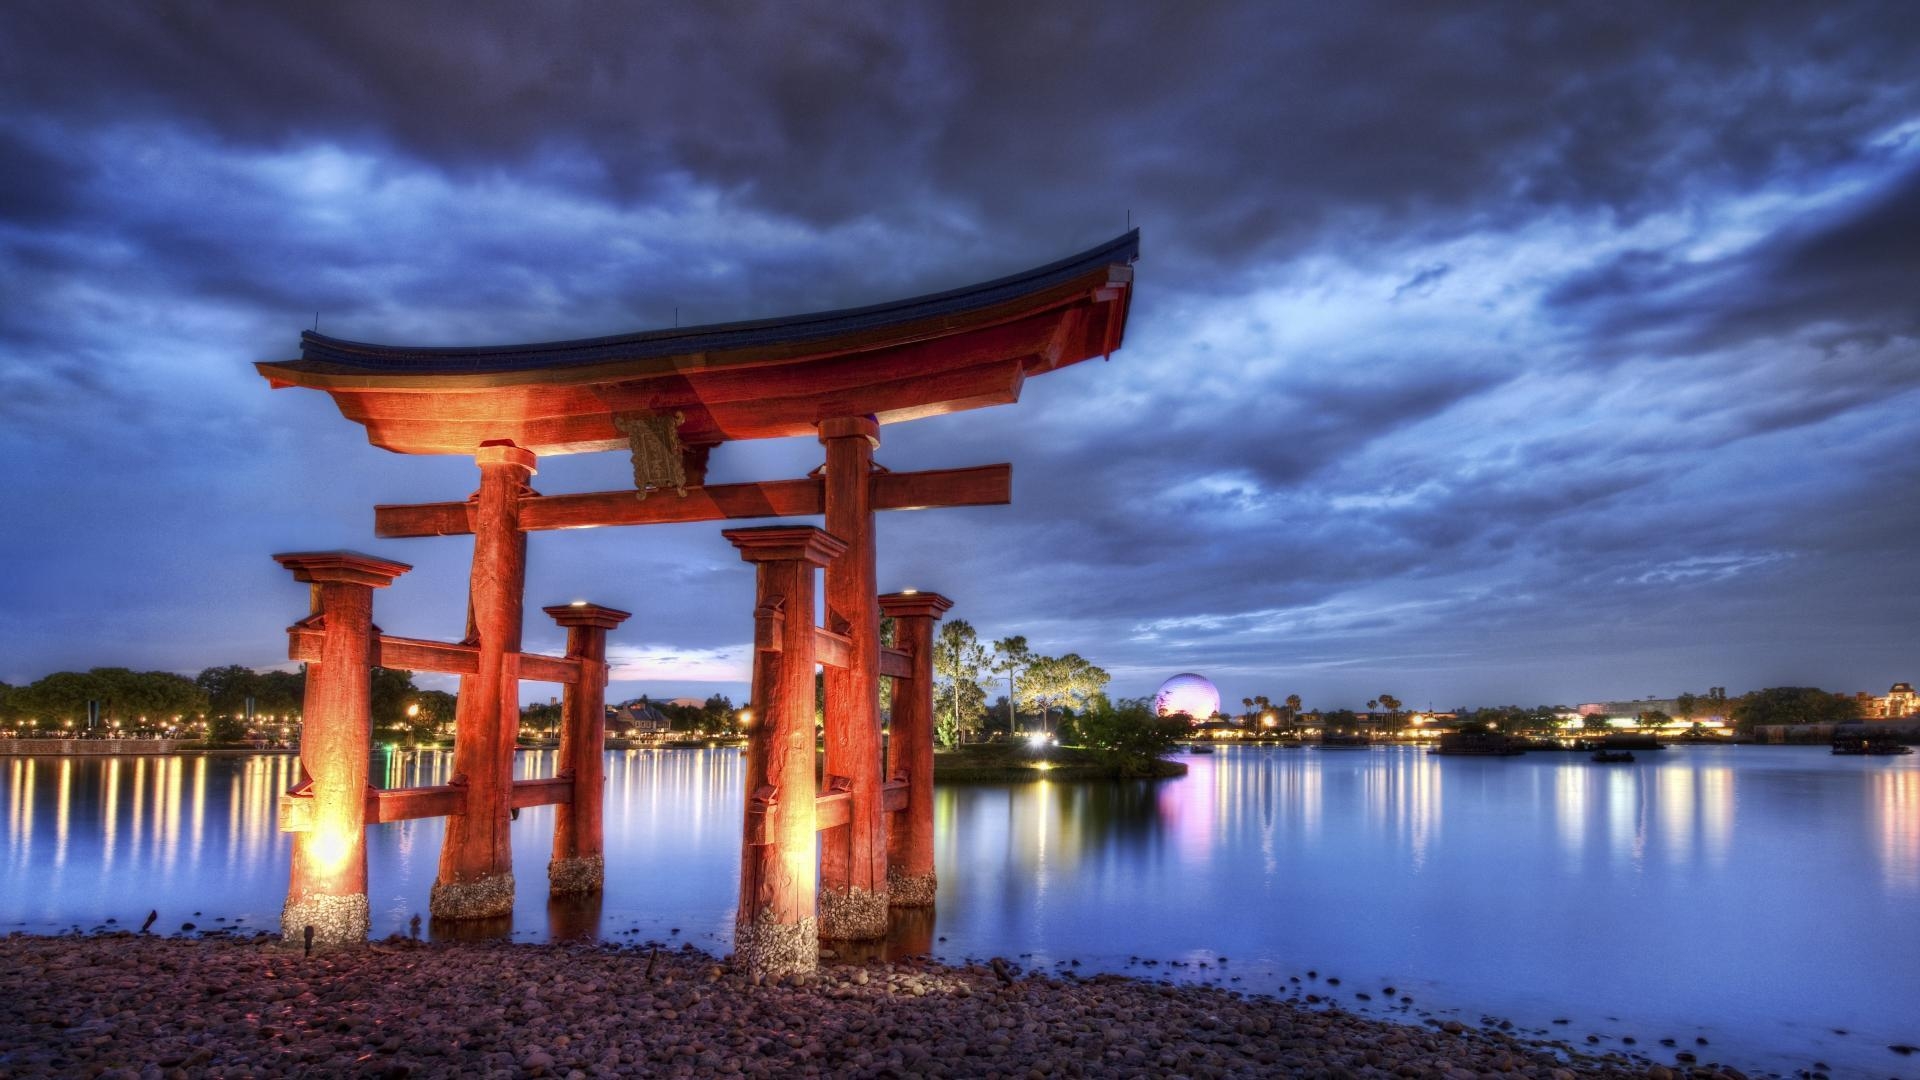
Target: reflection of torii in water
[(669, 397)]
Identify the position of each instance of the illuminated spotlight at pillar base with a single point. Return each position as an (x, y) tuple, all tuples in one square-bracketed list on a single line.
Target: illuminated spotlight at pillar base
[(336, 920), (577, 876), (911, 890), (777, 948), (488, 898), (854, 915)]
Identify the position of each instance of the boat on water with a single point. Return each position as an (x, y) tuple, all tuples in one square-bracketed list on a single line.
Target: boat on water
[(1877, 745), (1199, 748), (1478, 744), (1612, 757)]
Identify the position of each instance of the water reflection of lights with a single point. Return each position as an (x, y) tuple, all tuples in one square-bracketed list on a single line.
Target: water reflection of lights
[(1626, 833), (1402, 796), (1893, 816), (1716, 812), (61, 813), (1676, 798), (20, 813), (1570, 797), (199, 807), (110, 815)]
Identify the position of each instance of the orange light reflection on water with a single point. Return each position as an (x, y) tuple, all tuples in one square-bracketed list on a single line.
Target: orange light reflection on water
[(1893, 813)]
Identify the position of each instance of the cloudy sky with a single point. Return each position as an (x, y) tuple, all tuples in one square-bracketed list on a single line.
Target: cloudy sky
[(1480, 352)]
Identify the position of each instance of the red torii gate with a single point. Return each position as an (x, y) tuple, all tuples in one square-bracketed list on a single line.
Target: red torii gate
[(670, 397)]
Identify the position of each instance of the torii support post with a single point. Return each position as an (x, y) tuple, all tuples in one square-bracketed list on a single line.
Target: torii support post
[(775, 929), (476, 860), (853, 859), (327, 886), (578, 866), (911, 881)]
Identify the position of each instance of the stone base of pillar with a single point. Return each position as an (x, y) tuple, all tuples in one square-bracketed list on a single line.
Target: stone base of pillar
[(578, 876), (854, 915), (336, 920), (777, 948), (911, 890), (488, 898)]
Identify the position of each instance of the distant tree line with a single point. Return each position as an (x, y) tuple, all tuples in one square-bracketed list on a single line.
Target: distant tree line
[(212, 704), (964, 668)]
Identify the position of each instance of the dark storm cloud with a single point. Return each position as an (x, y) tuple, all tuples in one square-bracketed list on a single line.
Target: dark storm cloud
[(1845, 277), (36, 186), (1504, 350), (1247, 130)]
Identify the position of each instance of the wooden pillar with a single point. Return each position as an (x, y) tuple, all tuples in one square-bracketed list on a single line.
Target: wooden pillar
[(476, 860), (910, 877), (853, 859), (327, 885), (577, 865), (775, 929)]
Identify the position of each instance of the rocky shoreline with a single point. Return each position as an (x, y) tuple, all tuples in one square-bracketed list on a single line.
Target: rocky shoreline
[(131, 1005)]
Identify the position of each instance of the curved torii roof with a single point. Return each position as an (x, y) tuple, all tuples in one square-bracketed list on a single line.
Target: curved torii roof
[(961, 349)]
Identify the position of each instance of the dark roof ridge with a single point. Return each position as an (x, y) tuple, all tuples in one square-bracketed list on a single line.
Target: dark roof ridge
[(316, 347)]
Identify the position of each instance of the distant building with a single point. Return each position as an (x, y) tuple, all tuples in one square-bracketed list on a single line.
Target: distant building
[(1896, 704), (637, 720)]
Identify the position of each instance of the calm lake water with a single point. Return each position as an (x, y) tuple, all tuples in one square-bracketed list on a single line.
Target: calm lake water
[(1759, 897)]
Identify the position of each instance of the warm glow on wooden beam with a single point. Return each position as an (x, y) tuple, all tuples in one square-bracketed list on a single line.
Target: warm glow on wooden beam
[(408, 804), (550, 791), (447, 658), (830, 810), (897, 663), (554, 669), (831, 649), (981, 485)]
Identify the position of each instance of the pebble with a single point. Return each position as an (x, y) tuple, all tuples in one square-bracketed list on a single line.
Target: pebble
[(124, 1005)]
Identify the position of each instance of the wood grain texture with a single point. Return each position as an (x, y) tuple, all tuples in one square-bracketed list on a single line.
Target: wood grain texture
[(979, 485)]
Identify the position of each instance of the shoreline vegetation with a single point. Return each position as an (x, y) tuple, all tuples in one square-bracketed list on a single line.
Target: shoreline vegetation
[(119, 1004), (1019, 762)]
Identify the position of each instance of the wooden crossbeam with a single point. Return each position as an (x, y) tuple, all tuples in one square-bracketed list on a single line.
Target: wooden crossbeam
[(536, 667), (408, 804), (546, 791), (980, 485), (897, 663), (830, 810), (831, 649), (444, 657)]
